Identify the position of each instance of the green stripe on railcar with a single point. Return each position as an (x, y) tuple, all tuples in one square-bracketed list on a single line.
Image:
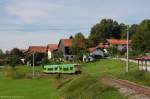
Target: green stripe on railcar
[(65, 68)]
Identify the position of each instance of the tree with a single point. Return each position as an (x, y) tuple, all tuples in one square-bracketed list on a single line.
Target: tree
[(79, 41), (107, 28), (123, 30), (1, 54), (14, 57), (132, 30), (16, 52), (58, 54), (79, 45), (141, 39), (37, 58)]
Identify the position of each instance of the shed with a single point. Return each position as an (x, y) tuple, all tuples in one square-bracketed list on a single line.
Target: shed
[(143, 63)]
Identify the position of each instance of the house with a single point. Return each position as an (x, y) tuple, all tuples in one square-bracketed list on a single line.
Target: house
[(37, 49), (96, 52), (39, 54), (64, 46), (119, 44), (50, 49)]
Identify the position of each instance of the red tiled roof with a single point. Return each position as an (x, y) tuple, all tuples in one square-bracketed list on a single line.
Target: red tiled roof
[(116, 41), (38, 49), (52, 47), (143, 58), (91, 49), (67, 42)]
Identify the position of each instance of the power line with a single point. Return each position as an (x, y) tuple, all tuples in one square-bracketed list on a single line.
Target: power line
[(41, 29)]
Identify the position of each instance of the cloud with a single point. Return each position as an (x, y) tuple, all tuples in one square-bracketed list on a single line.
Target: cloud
[(26, 22), (30, 11)]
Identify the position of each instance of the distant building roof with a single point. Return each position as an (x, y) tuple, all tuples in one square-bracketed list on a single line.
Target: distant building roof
[(52, 47), (67, 42), (116, 41), (37, 49)]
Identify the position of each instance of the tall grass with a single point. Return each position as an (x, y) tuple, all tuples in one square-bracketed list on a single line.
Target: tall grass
[(87, 87)]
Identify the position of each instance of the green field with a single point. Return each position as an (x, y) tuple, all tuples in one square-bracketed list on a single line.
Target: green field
[(29, 89), (84, 86), (26, 88)]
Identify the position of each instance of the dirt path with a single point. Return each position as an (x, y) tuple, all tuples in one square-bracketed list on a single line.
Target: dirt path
[(128, 89)]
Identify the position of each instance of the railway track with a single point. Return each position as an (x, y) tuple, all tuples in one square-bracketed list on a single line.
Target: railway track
[(130, 85)]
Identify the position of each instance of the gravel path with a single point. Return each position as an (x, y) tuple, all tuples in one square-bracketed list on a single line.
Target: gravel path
[(128, 89)]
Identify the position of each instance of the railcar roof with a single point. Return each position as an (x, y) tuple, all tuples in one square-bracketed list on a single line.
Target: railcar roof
[(64, 65)]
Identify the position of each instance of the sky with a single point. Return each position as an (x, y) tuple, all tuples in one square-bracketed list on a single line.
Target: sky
[(41, 22)]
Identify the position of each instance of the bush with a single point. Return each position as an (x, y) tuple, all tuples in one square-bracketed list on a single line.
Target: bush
[(45, 61), (14, 74), (134, 53), (13, 61), (141, 77), (2, 62)]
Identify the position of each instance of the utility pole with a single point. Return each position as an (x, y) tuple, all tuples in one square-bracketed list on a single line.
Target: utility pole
[(127, 60), (33, 73)]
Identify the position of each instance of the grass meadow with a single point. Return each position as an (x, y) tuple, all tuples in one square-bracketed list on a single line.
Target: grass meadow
[(19, 83)]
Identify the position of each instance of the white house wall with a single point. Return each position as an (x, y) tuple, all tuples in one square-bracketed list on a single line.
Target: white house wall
[(49, 54)]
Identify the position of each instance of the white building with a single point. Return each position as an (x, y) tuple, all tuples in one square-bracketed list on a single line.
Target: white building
[(50, 49)]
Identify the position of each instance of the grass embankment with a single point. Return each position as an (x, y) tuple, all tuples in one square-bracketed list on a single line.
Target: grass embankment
[(87, 84), (87, 87)]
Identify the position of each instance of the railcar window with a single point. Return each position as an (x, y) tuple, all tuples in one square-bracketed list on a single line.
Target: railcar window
[(65, 69), (71, 68), (56, 68), (50, 69)]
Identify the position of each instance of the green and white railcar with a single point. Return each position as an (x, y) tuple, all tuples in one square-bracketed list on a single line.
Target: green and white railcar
[(64, 69)]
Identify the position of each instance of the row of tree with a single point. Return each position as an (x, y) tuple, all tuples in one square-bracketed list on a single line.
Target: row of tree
[(16, 56), (12, 57), (108, 28)]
